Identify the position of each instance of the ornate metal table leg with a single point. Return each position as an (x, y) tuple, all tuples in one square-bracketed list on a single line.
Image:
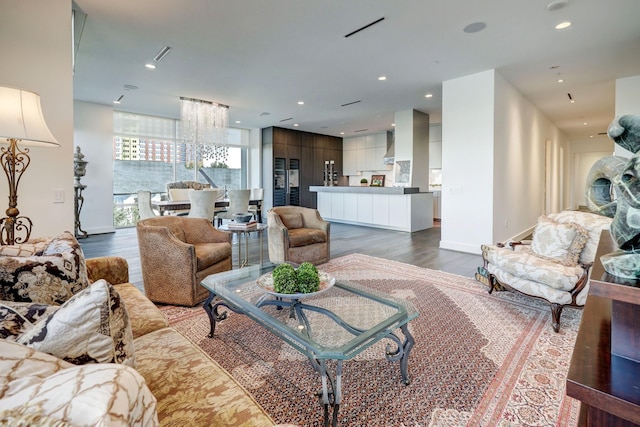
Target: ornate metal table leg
[(212, 312), (401, 353), (408, 345), (331, 398)]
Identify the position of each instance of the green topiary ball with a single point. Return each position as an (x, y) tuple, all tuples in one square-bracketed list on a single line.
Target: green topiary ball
[(285, 279), (308, 278)]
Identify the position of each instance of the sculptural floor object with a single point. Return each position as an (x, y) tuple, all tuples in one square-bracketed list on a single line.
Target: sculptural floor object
[(613, 190)]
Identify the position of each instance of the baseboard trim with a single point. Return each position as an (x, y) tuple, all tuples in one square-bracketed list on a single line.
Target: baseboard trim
[(461, 247), (102, 230)]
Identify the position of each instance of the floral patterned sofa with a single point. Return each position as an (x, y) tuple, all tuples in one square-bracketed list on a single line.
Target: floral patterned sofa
[(76, 350), (554, 266)]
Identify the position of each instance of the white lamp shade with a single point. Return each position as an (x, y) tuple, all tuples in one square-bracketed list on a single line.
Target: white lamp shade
[(21, 118)]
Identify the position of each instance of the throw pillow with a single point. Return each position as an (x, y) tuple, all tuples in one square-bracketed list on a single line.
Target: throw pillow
[(50, 277), (92, 327), (39, 389), (293, 220), (557, 242), (17, 317), (23, 249)]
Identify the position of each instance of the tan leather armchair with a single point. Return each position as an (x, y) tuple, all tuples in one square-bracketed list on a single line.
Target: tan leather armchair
[(176, 253), (297, 234)]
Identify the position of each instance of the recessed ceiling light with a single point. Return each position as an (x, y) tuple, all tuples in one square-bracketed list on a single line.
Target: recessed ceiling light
[(563, 25), (573, 101), (393, 124), (238, 122), (150, 66), (556, 5), (429, 95), (265, 113), (474, 27), (296, 125), (560, 81), (585, 123), (300, 102), (341, 133), (590, 136), (130, 87), (382, 78)]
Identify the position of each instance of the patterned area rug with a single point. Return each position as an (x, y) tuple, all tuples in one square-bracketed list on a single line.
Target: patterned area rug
[(479, 359)]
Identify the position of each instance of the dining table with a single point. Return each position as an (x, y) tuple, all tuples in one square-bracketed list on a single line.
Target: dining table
[(164, 206)]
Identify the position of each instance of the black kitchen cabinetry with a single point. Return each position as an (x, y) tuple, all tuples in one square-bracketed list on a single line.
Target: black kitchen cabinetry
[(293, 161)]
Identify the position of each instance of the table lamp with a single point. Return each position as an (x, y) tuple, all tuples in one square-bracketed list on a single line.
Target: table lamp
[(21, 121)]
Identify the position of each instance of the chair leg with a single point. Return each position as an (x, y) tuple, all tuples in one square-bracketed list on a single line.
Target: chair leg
[(556, 311), (484, 277)]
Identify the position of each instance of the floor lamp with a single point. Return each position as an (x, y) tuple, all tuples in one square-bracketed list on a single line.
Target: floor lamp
[(21, 121)]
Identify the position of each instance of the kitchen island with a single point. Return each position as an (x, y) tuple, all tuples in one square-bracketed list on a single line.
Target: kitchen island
[(394, 208)]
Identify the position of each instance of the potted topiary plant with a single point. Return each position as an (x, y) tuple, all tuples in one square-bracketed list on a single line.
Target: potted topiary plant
[(364, 182)]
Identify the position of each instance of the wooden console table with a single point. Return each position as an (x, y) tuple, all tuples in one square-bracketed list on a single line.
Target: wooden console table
[(608, 384)]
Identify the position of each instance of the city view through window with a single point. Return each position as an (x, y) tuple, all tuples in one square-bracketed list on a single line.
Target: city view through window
[(147, 154)]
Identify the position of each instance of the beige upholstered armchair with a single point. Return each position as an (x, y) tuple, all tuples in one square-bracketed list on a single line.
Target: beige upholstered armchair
[(297, 234), (554, 266), (176, 253)]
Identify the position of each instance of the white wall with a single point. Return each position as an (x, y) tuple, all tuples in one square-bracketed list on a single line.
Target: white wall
[(36, 55), (93, 133), (628, 95), (420, 168), (467, 162), (627, 102), (411, 143), (521, 132), (255, 158), (493, 162)]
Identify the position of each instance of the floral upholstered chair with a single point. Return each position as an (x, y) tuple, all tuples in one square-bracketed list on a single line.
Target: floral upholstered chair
[(554, 266)]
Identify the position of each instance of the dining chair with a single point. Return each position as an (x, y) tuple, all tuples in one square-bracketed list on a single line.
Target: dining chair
[(256, 194), (238, 202), (203, 203), (144, 205), (180, 194)]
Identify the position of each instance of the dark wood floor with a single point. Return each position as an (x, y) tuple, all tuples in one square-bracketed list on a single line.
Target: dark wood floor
[(420, 248)]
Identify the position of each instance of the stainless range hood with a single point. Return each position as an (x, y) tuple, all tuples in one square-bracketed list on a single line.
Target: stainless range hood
[(389, 157)]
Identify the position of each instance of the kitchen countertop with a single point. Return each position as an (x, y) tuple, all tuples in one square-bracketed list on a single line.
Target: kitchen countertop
[(371, 190)]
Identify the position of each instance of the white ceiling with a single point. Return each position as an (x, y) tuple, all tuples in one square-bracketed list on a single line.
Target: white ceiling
[(263, 56)]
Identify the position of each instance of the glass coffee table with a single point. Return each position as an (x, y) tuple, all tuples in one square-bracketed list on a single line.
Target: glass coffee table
[(335, 324)]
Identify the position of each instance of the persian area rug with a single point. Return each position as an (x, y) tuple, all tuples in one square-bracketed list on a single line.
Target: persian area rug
[(478, 360)]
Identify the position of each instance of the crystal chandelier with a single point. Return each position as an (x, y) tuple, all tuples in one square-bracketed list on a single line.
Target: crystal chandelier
[(203, 122)]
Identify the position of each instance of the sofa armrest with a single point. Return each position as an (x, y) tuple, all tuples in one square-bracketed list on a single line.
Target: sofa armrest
[(277, 237), (113, 269), (200, 230), (518, 244), (312, 219)]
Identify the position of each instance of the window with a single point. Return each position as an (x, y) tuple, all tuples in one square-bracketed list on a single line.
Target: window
[(147, 154)]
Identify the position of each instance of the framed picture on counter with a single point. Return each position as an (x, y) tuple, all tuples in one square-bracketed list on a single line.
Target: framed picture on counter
[(377, 181)]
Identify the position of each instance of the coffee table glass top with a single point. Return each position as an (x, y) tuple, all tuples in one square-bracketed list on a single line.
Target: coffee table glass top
[(336, 324)]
